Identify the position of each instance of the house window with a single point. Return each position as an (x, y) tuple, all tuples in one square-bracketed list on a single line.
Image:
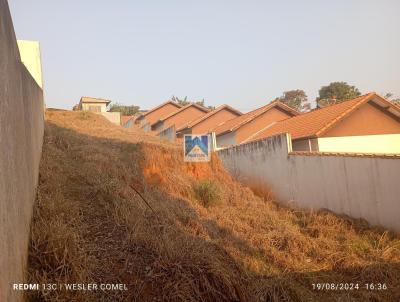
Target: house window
[(95, 108)]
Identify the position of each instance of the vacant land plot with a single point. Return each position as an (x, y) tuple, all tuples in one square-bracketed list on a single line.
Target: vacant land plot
[(197, 236)]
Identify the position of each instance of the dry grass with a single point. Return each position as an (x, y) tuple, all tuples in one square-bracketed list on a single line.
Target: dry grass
[(91, 226)]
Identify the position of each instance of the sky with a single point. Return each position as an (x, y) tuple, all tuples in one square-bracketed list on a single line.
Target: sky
[(243, 53)]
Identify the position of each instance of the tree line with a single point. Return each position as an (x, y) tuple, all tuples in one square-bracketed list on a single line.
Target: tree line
[(334, 93)]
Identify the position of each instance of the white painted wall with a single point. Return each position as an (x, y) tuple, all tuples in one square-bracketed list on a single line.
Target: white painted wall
[(377, 144), (103, 106), (30, 56), (359, 186), (226, 140)]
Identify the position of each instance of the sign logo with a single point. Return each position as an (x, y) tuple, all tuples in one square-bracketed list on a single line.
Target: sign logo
[(196, 148)]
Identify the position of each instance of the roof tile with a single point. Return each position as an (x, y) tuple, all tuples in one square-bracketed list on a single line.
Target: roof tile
[(211, 113), (313, 123), (239, 121), (178, 106), (180, 110)]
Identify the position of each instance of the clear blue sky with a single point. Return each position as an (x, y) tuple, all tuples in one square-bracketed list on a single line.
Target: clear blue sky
[(244, 53)]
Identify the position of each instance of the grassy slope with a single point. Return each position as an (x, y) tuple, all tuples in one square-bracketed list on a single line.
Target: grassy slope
[(91, 226)]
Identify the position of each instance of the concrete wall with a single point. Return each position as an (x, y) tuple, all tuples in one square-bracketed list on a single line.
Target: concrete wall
[(377, 144), (359, 186), (21, 134), (30, 56), (113, 117), (168, 134)]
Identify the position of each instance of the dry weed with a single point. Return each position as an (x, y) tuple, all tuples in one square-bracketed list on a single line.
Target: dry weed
[(90, 225)]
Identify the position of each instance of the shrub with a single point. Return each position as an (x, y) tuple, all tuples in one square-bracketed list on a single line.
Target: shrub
[(125, 110), (207, 192)]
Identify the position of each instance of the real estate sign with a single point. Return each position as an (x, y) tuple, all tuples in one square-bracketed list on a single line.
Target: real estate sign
[(196, 148)]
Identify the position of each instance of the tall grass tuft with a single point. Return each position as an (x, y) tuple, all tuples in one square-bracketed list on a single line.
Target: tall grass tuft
[(207, 191)]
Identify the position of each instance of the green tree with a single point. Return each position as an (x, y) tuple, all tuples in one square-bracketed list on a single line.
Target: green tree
[(297, 99), (125, 110), (336, 92)]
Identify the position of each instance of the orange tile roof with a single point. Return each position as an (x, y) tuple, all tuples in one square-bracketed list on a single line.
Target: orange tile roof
[(235, 123), (317, 122), (180, 110), (159, 106), (211, 113)]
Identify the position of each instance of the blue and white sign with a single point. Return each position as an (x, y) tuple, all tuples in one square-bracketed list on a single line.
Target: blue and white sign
[(196, 148)]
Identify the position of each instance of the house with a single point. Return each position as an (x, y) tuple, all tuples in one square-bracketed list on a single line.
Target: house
[(93, 104), (150, 117), (237, 130), (179, 118), (209, 121), (99, 106), (366, 124)]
